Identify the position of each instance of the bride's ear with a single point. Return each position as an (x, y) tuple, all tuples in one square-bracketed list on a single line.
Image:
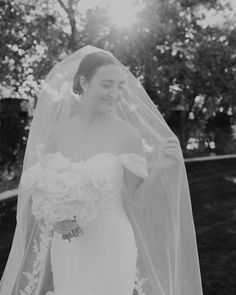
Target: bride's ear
[(83, 83)]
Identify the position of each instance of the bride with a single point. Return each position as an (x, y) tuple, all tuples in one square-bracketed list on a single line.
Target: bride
[(104, 205), (103, 260)]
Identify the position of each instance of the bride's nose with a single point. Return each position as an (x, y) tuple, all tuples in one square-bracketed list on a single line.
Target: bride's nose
[(114, 92)]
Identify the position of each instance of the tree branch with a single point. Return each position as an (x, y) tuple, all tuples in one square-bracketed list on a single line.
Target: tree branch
[(63, 6)]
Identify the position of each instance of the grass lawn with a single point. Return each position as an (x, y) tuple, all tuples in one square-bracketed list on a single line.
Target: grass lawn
[(213, 195)]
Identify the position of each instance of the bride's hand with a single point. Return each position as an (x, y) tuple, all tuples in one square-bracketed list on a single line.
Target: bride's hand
[(170, 154), (65, 226)]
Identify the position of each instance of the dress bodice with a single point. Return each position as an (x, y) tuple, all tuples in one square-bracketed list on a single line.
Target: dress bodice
[(109, 168), (106, 171)]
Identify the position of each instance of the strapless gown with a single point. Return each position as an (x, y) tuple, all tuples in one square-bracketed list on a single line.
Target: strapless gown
[(102, 260)]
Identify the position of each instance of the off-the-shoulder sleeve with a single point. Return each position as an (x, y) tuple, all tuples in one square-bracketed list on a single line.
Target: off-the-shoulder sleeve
[(135, 163)]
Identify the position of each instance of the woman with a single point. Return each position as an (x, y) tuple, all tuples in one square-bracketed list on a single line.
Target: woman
[(138, 234)]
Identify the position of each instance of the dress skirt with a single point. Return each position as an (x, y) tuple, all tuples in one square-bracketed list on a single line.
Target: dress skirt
[(101, 260)]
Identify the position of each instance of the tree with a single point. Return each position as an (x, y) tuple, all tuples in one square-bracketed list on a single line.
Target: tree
[(185, 65), (29, 46)]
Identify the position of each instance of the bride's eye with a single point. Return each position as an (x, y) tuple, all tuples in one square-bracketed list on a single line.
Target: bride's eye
[(106, 86)]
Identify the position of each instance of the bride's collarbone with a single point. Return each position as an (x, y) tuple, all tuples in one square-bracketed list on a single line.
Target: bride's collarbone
[(98, 143), (106, 138)]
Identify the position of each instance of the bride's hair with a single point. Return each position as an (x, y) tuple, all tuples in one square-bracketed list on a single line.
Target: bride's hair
[(88, 67)]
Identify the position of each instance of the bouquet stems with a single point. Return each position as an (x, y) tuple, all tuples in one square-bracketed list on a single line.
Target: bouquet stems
[(73, 233)]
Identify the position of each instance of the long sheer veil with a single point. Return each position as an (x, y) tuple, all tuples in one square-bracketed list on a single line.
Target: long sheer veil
[(160, 213)]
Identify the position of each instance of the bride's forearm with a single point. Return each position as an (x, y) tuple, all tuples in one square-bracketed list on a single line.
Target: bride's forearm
[(153, 177), (147, 182), (142, 187)]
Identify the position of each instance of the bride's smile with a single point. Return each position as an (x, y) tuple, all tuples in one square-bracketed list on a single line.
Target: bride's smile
[(101, 90)]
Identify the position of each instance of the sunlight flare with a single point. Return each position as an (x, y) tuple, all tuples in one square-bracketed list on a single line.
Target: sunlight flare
[(122, 13)]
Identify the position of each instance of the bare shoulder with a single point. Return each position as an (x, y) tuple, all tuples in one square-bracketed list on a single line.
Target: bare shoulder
[(129, 135)]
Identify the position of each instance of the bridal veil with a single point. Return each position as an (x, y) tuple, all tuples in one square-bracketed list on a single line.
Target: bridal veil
[(160, 213)]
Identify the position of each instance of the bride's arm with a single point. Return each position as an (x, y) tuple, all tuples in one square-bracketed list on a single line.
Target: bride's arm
[(170, 154), (132, 142)]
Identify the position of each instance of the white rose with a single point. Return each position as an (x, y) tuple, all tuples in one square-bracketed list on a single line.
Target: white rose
[(57, 161), (78, 167), (47, 182), (54, 182), (30, 177), (47, 208), (68, 178)]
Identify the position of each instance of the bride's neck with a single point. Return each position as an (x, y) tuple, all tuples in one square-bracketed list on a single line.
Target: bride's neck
[(88, 118)]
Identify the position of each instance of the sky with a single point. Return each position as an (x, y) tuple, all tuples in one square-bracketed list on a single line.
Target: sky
[(125, 17)]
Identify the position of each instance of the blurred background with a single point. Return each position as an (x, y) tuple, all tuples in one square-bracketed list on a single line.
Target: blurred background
[(184, 54)]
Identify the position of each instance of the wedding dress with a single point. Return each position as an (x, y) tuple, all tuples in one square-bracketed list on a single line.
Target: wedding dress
[(102, 260)]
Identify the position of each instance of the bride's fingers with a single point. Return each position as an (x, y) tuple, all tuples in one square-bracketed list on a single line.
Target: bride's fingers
[(171, 147), (171, 150), (171, 144), (173, 153), (174, 148)]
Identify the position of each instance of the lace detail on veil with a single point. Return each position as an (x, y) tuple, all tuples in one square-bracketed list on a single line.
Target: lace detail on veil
[(40, 249), (138, 284)]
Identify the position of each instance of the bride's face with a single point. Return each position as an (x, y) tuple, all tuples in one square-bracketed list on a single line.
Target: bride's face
[(105, 88)]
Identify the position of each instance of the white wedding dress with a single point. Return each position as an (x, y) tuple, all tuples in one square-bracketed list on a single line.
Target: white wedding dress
[(102, 260)]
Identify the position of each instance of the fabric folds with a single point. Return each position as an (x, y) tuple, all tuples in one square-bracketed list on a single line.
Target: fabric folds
[(135, 163)]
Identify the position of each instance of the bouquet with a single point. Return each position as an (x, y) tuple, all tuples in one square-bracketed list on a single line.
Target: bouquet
[(62, 190)]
